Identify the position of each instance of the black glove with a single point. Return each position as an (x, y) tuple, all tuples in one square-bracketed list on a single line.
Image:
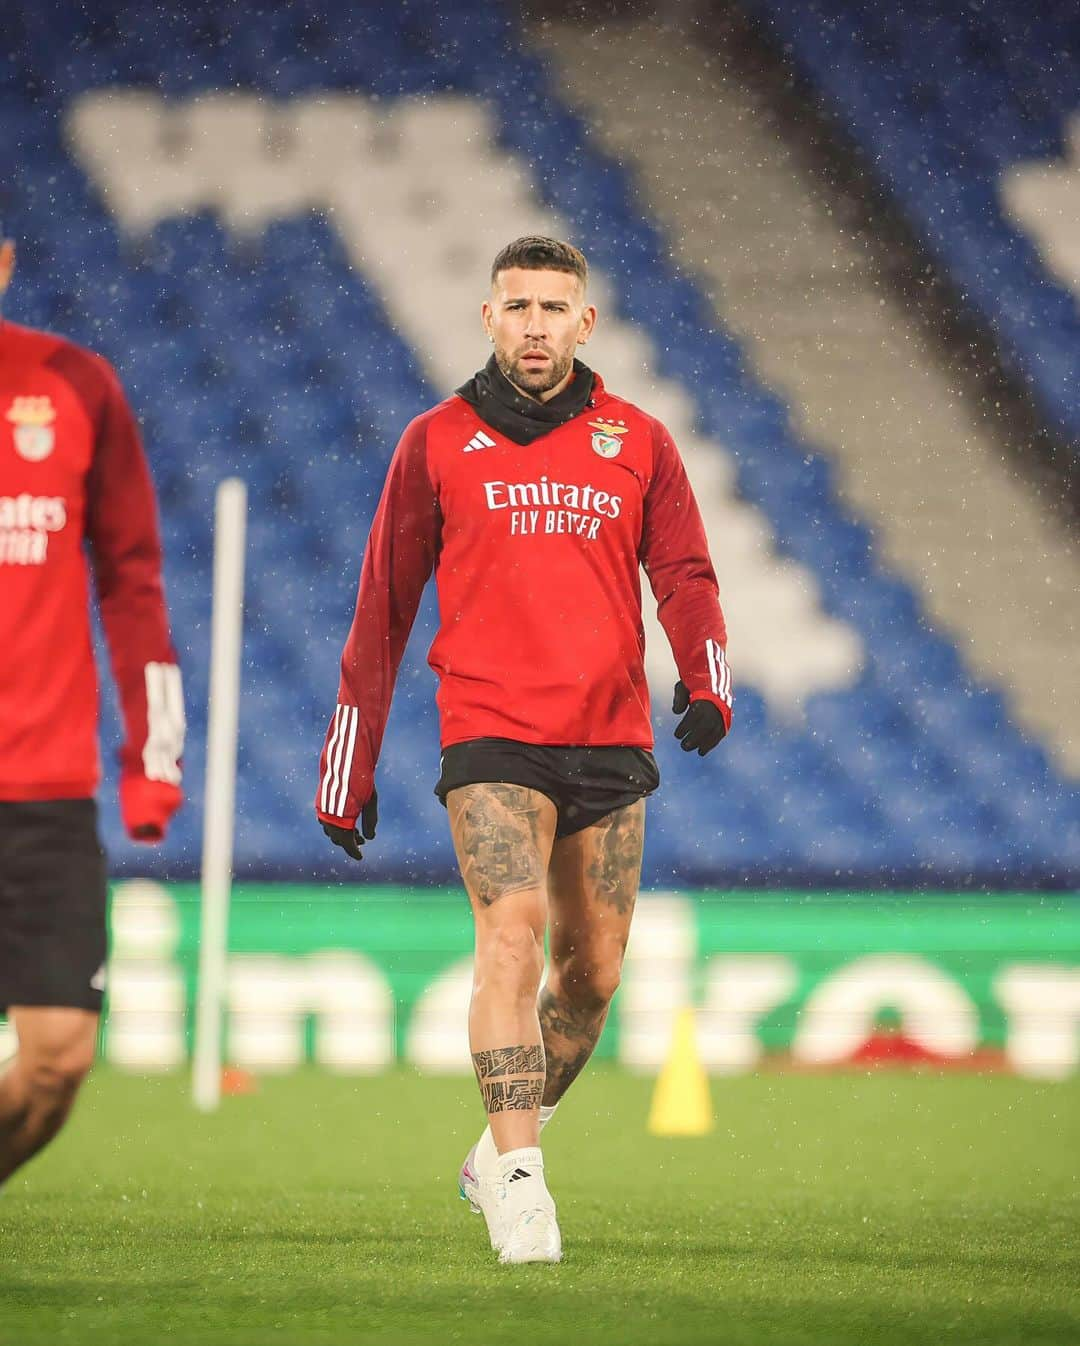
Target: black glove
[(702, 727), (350, 842)]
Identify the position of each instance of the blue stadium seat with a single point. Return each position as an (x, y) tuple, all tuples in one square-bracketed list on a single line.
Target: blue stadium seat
[(944, 100), (273, 358)]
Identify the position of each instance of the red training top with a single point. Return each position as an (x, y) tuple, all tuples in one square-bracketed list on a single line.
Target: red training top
[(536, 550), (72, 469)]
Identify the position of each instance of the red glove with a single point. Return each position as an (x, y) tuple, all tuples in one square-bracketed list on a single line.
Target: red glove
[(147, 806)]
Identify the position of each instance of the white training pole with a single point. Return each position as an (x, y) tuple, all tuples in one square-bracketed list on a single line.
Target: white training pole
[(230, 512)]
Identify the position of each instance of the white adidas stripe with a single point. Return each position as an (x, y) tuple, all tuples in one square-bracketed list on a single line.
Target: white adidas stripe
[(719, 671), (725, 675), (346, 764), (712, 668), (165, 723), (328, 780), (726, 680), (339, 759)]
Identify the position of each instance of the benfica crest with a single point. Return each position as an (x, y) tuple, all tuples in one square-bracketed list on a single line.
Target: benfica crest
[(606, 441), (32, 427)]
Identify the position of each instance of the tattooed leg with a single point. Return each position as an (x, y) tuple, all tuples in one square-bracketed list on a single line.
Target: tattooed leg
[(570, 1031), (503, 836), (511, 1079), (593, 883)]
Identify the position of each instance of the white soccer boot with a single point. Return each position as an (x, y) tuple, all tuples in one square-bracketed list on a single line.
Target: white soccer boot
[(523, 1210), (480, 1194), (477, 1174)]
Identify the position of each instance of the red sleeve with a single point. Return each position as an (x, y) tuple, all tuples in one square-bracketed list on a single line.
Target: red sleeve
[(398, 561), (122, 528), (675, 554)]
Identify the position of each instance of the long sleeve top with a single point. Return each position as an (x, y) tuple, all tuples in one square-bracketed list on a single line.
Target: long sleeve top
[(537, 551), (76, 499)]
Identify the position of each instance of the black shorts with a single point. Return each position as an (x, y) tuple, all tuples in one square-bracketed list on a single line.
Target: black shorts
[(584, 784), (52, 904)]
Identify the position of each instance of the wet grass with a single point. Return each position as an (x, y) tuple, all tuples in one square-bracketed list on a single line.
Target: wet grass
[(848, 1209)]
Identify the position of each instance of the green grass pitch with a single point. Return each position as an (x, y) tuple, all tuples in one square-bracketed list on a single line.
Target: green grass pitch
[(848, 1209)]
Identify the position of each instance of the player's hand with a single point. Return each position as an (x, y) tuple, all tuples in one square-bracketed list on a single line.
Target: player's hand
[(146, 807), (702, 726), (351, 841)]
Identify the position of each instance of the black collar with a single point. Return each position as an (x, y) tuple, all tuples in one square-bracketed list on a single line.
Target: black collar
[(523, 419)]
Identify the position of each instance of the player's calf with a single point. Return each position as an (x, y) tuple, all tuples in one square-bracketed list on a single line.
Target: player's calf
[(41, 1083), (503, 1030), (573, 1009)]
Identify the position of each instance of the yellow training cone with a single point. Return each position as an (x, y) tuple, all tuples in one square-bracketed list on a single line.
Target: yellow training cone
[(681, 1105)]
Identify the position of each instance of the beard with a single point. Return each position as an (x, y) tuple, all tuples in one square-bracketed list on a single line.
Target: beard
[(535, 382)]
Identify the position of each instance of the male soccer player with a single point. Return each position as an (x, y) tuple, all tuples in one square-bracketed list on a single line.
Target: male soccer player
[(71, 471), (535, 494)]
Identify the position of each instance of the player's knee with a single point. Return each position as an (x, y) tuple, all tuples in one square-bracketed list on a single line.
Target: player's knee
[(604, 982), (514, 958), (589, 981), (57, 1075)]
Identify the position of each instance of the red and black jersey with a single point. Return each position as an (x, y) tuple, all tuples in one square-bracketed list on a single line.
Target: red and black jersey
[(537, 552), (72, 471)]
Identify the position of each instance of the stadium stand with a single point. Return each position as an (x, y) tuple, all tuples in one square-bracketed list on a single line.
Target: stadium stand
[(263, 266), (808, 282), (953, 106)]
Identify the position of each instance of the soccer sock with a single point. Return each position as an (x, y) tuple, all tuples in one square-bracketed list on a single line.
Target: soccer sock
[(527, 1158), (522, 1173), (487, 1156)]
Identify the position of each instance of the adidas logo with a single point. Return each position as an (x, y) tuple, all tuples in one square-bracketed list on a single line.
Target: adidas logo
[(518, 1174), (479, 441)]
